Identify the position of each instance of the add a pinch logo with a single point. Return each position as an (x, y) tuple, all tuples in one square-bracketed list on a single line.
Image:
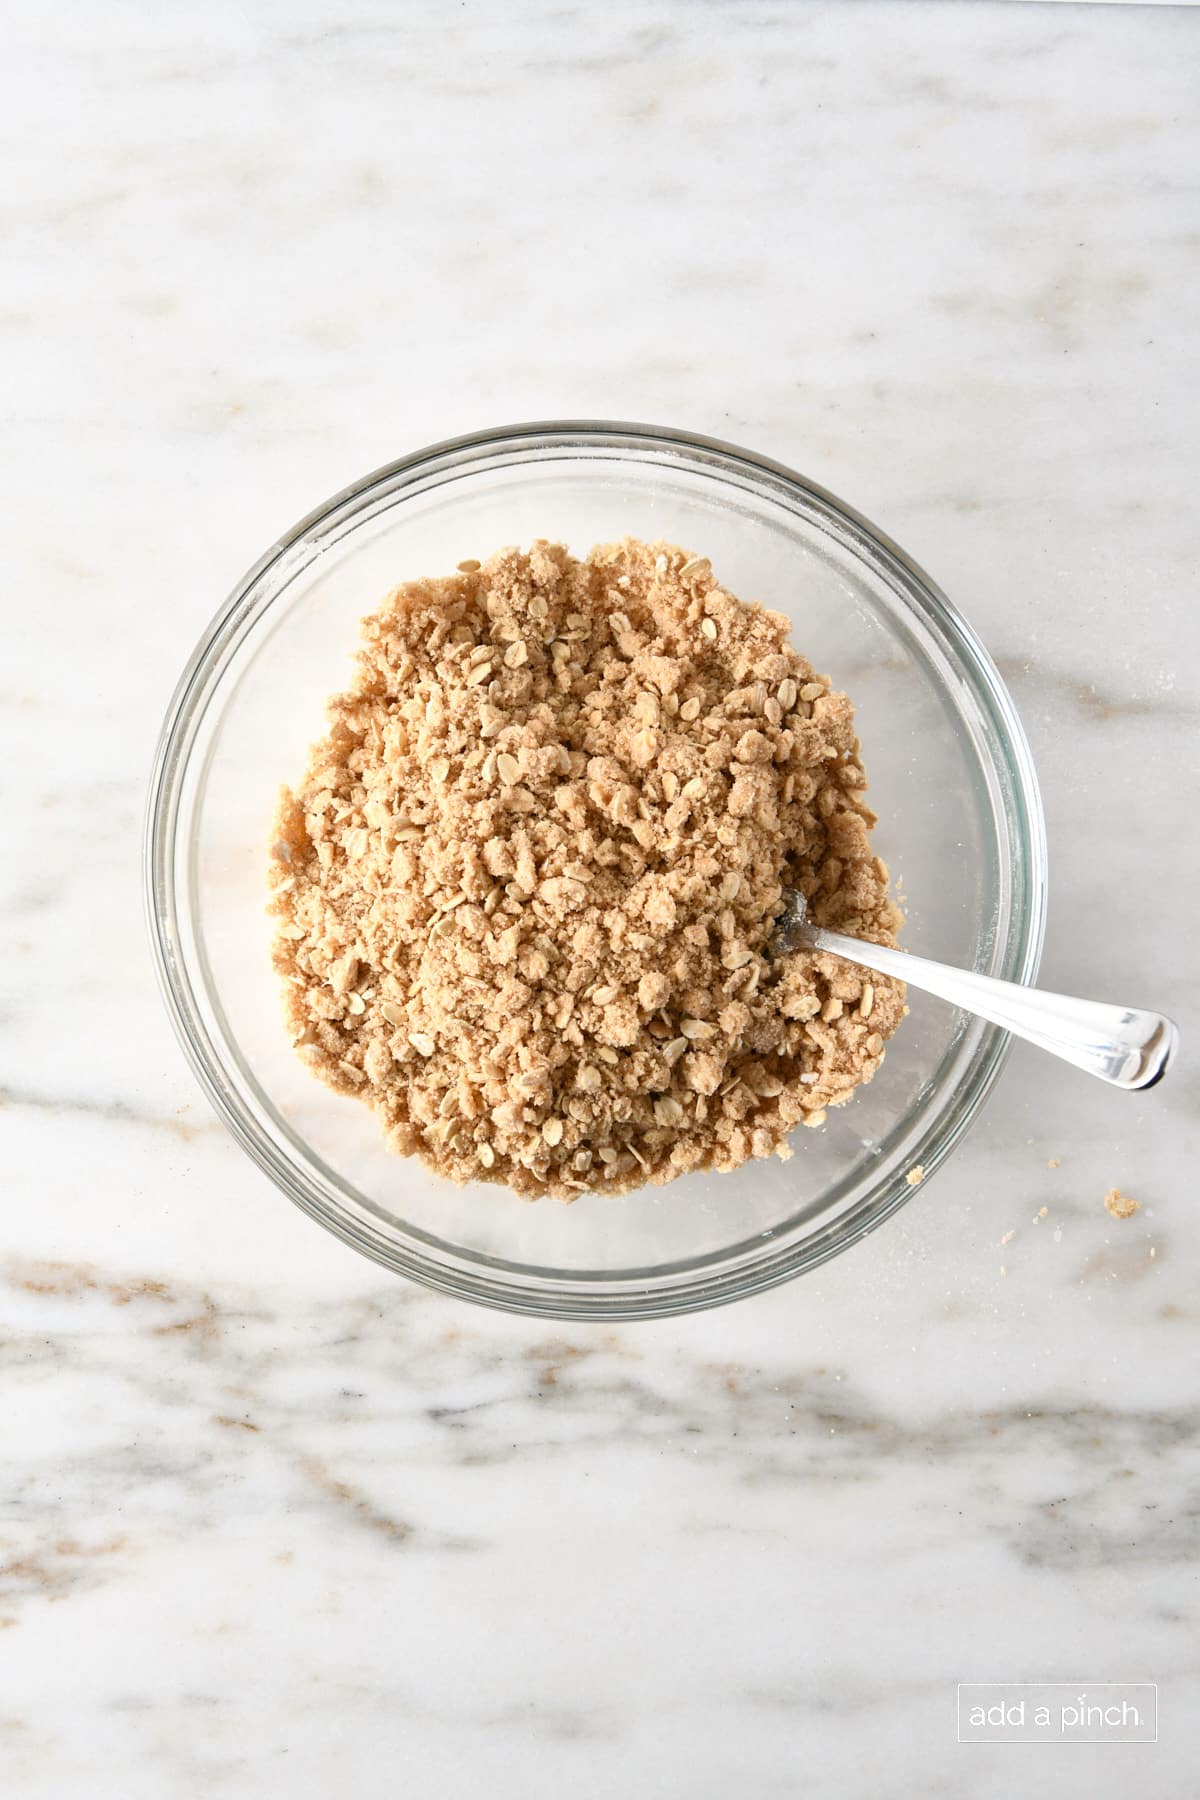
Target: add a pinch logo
[(1058, 1713)]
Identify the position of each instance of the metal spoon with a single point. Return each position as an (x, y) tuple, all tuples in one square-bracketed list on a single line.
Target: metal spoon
[(1127, 1048)]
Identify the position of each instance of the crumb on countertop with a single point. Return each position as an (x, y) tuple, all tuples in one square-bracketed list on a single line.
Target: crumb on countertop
[(1120, 1205)]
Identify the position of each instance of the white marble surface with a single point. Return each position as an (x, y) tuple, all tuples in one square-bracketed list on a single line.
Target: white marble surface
[(271, 1523)]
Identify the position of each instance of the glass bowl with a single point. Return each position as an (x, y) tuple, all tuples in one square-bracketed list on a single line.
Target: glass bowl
[(960, 823)]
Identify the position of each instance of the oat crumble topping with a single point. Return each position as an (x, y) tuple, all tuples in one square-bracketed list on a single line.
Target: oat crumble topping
[(525, 888)]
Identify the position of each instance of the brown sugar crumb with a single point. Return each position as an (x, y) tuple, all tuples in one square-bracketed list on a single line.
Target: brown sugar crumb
[(526, 886), (1120, 1205)]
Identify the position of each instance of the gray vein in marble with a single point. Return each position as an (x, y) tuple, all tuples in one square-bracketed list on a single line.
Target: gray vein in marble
[(1113, 1487)]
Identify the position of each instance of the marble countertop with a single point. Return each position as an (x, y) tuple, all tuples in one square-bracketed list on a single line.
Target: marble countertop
[(274, 1523)]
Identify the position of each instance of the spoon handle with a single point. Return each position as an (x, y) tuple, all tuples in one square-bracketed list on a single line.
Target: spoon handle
[(1128, 1048)]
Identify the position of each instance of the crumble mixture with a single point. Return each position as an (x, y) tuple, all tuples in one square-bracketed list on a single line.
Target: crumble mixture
[(526, 885)]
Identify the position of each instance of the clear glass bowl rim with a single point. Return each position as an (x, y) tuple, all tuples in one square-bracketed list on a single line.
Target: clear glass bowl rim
[(588, 1297)]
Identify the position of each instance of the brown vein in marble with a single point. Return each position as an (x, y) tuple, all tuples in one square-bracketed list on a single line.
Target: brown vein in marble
[(360, 1508), (54, 1572), (79, 1278), (117, 1111), (1098, 705)]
